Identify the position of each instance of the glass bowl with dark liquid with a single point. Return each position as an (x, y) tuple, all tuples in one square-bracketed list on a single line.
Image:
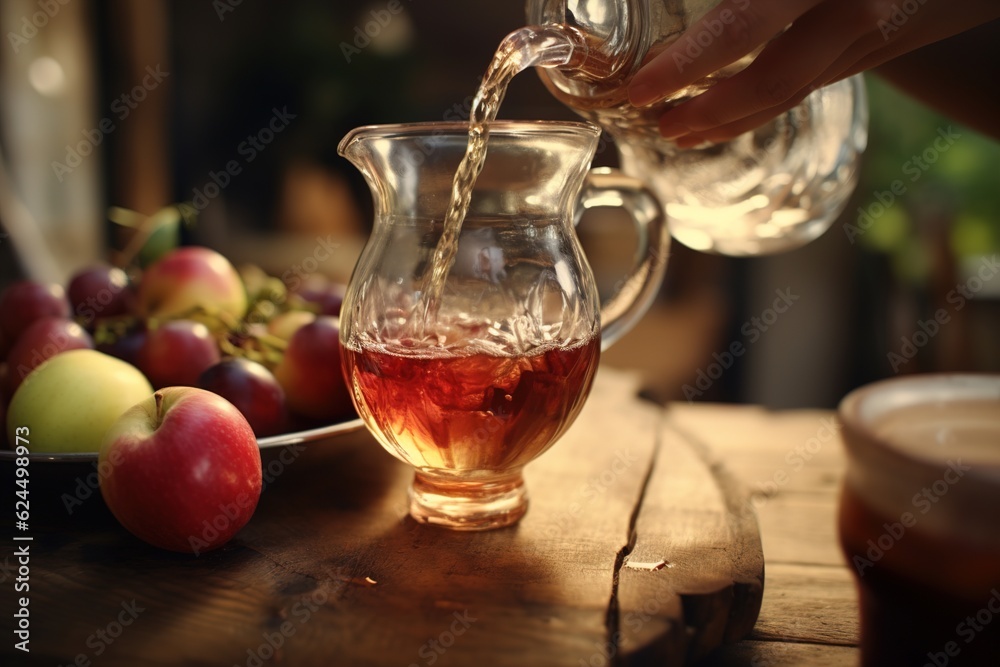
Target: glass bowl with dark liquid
[(919, 518)]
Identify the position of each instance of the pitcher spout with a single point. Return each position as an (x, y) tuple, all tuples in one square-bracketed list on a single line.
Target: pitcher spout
[(354, 147)]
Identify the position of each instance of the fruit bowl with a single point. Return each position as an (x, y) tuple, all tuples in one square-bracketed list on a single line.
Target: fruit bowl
[(270, 442), (74, 359)]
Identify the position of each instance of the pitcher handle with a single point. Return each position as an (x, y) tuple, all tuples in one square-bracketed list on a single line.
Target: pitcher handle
[(610, 187)]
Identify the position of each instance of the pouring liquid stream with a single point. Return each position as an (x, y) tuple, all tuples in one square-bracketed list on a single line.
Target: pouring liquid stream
[(532, 46)]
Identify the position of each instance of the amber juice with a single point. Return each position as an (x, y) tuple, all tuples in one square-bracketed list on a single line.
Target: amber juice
[(927, 571), (917, 598), (466, 409)]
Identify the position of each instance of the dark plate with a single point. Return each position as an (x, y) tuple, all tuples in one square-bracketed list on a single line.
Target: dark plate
[(310, 435)]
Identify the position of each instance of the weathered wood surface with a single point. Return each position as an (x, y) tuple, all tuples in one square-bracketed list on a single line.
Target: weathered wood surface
[(793, 463), (331, 572), (696, 520)]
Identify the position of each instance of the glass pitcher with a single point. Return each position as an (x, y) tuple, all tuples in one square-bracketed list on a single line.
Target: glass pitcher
[(472, 394), (772, 189)]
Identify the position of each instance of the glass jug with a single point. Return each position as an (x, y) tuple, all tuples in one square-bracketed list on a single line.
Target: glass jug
[(772, 189), (472, 394)]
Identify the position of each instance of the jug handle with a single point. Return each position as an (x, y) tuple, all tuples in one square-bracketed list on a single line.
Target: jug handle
[(609, 187)]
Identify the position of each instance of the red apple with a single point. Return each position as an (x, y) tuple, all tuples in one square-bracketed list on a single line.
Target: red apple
[(325, 295), (99, 291), (310, 372), (5, 392), (182, 470), (44, 339), (176, 353), (188, 278), (26, 301), (253, 390)]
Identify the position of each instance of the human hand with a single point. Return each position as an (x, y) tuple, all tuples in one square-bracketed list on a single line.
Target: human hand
[(825, 41)]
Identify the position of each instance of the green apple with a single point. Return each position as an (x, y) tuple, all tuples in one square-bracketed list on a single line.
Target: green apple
[(70, 401)]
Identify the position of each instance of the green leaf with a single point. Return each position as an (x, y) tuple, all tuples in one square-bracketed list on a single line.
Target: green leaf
[(889, 231), (164, 235), (973, 236)]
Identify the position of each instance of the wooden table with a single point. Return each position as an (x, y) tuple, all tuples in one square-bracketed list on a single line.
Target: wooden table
[(330, 571), (793, 464)]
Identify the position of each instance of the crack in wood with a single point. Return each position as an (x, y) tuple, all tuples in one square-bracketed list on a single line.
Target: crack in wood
[(612, 619)]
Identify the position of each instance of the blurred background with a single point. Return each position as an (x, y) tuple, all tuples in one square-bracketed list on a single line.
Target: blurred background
[(237, 107)]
